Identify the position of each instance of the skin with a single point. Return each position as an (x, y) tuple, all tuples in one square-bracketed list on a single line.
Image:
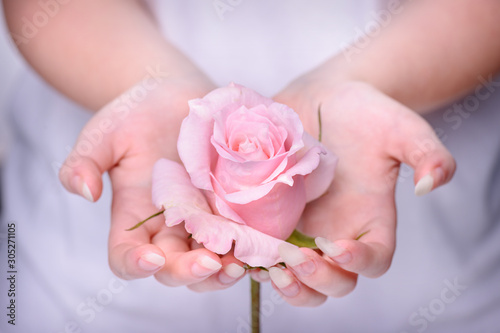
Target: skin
[(367, 121), (139, 135), (370, 104)]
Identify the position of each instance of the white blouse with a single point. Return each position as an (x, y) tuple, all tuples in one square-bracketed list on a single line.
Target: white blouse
[(445, 272)]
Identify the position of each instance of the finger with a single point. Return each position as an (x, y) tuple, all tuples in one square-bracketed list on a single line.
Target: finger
[(92, 155), (260, 275), (136, 261), (141, 252), (370, 259), (317, 273), (183, 266), (416, 144), (231, 272), (132, 253), (292, 291), (187, 268)]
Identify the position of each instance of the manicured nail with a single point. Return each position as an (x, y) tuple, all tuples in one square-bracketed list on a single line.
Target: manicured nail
[(424, 185), (343, 258), (337, 253), (232, 272), (263, 275), (86, 192), (205, 266), (284, 282), (296, 259), (151, 261), (279, 277), (329, 248)]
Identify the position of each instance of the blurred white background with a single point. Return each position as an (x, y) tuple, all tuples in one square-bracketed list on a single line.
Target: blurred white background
[(10, 66)]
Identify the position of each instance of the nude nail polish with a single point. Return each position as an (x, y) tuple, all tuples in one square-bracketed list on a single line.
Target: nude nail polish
[(151, 261), (329, 248), (296, 259), (284, 282), (205, 266), (232, 272), (424, 185), (86, 192)]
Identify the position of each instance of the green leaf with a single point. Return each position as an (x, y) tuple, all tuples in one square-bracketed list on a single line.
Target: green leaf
[(301, 240), (144, 221)]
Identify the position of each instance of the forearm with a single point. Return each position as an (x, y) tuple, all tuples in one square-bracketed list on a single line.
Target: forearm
[(93, 50), (431, 52)]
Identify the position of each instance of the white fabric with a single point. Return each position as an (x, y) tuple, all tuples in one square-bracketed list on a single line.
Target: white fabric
[(446, 238), (10, 67)]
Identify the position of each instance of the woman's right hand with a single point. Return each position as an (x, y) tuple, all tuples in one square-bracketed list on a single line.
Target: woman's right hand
[(126, 138)]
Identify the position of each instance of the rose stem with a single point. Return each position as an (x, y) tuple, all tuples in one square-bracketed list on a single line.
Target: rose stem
[(255, 292), (320, 135)]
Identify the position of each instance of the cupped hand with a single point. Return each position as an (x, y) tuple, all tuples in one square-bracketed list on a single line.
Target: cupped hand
[(372, 135), (126, 138)]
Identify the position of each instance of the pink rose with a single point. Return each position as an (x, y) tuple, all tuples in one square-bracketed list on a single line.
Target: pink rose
[(253, 163)]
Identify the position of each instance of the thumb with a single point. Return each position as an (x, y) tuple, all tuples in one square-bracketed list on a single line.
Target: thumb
[(92, 155), (421, 149)]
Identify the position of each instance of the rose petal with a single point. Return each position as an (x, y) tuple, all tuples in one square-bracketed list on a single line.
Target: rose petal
[(307, 163), (234, 93), (235, 124), (248, 97), (320, 179), (171, 183), (219, 205), (234, 176), (238, 146), (217, 235), (277, 213), (172, 190), (283, 116), (195, 150)]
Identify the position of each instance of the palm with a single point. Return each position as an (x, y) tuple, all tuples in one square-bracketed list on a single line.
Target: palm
[(371, 134), (140, 136), (358, 125)]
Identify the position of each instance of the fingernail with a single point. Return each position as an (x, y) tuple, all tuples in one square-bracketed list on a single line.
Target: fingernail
[(335, 252), (343, 258), (205, 266), (263, 275), (77, 185), (329, 248), (424, 185), (231, 272), (86, 192), (279, 277), (151, 261), (296, 259), (284, 282)]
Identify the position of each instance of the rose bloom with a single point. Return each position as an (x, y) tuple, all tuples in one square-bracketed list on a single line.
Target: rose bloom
[(249, 170)]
